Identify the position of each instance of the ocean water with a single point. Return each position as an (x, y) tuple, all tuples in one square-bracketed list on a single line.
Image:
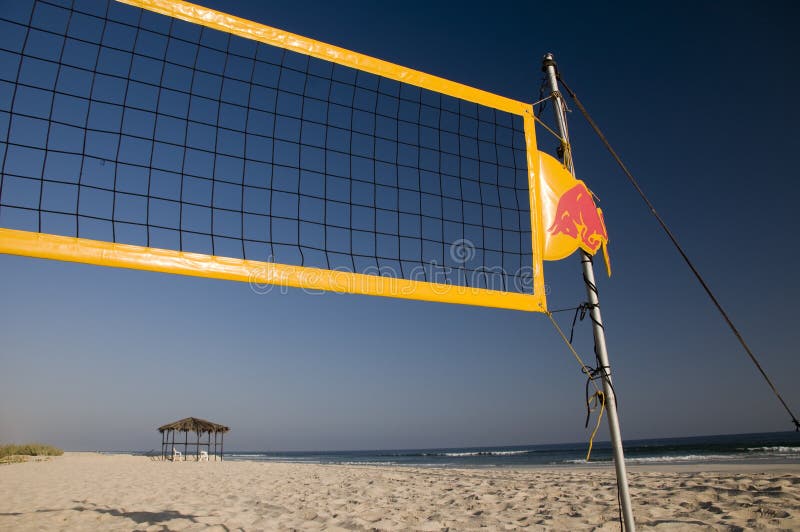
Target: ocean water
[(773, 447)]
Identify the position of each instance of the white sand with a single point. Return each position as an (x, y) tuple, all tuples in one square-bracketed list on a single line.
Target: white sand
[(85, 491)]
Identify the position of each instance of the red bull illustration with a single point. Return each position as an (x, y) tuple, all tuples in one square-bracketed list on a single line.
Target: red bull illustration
[(571, 217), (578, 217)]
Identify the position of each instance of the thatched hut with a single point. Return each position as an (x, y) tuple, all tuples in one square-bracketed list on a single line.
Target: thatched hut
[(199, 427)]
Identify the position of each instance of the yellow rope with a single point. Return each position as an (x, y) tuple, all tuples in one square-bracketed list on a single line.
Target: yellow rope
[(575, 353), (597, 396), (550, 130), (601, 398)]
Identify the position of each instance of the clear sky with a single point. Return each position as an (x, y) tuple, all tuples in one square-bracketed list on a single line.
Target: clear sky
[(698, 101)]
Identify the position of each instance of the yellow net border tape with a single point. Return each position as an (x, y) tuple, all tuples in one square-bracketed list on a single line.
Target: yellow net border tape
[(283, 39), (257, 273)]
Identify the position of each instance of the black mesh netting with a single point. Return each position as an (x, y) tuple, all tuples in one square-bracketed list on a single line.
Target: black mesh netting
[(122, 125)]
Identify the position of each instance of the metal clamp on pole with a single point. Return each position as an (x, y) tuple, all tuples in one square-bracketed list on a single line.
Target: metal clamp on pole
[(549, 67)]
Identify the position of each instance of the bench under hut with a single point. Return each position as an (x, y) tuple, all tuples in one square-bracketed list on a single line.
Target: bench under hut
[(200, 427)]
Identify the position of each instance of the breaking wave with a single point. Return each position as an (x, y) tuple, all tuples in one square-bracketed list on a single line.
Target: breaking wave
[(778, 449), (481, 453)]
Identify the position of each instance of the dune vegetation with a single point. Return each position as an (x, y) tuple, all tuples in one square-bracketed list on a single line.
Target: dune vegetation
[(19, 453)]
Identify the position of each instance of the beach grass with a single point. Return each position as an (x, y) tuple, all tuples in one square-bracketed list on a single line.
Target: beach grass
[(13, 453)]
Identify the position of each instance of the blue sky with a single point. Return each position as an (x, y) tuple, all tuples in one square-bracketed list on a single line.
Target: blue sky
[(698, 103)]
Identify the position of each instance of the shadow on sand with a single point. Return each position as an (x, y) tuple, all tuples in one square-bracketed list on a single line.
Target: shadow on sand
[(138, 517)]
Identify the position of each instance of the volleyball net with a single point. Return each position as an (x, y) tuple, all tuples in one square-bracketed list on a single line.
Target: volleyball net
[(161, 135)]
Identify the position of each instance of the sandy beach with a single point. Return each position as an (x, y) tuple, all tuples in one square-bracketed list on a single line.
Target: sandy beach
[(85, 491)]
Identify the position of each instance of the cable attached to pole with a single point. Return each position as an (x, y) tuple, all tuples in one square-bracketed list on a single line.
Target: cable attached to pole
[(596, 401), (675, 243)]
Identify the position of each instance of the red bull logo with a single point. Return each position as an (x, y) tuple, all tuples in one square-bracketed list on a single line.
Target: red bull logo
[(570, 215), (578, 217)]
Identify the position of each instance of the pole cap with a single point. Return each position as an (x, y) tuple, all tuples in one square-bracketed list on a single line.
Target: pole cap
[(548, 61)]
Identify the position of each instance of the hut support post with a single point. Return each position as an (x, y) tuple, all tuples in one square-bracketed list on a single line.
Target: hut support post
[(222, 448), (185, 444), (197, 449)]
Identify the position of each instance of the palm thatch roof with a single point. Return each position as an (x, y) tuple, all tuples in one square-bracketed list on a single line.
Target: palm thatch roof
[(193, 424)]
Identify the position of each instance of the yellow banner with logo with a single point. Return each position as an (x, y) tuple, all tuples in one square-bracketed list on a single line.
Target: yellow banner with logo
[(570, 217)]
